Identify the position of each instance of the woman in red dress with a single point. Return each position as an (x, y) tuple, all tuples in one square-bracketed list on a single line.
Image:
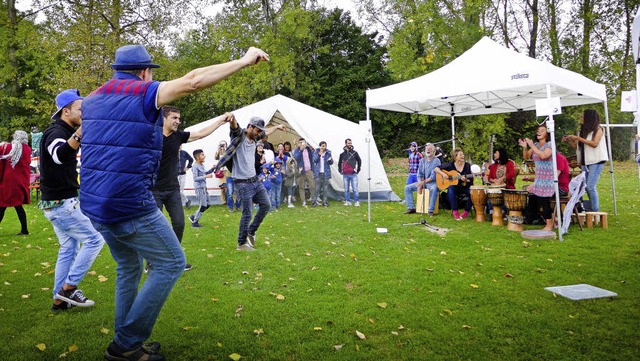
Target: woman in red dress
[(15, 171)]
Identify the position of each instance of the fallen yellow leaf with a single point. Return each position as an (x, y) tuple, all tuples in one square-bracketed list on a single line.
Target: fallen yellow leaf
[(73, 348), (361, 335), (41, 346), (187, 328), (235, 357), (382, 305), (102, 278), (474, 286), (317, 328), (104, 330), (26, 296), (280, 297), (258, 331), (338, 347), (92, 273), (394, 333)]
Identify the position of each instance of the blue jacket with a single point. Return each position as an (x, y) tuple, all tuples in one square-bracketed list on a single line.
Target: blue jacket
[(297, 154), (121, 150), (277, 175), (328, 161), (266, 180)]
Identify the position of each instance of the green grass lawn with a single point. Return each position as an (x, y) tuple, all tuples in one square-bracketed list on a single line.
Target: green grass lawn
[(322, 274)]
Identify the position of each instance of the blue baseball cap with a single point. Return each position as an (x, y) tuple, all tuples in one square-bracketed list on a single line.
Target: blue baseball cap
[(65, 98)]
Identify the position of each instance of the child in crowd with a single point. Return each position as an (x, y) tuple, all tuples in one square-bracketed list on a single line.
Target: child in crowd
[(265, 178), (291, 180), (200, 185), (276, 186)]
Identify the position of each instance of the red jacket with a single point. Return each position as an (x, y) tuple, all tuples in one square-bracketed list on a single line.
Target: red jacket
[(14, 182)]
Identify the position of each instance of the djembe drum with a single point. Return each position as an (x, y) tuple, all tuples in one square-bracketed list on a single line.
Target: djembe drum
[(479, 200), (516, 201), (494, 195)]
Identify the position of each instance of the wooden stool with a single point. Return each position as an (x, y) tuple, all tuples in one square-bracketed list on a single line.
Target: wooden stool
[(597, 217), (563, 204)]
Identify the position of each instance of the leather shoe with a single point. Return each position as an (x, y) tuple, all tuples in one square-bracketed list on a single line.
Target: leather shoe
[(410, 211)]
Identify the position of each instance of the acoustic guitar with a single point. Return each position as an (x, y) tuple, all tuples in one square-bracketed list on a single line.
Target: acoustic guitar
[(453, 179)]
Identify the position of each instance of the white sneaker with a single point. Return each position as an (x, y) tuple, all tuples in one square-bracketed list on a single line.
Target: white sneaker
[(251, 240), (291, 205), (304, 204), (347, 203), (357, 204), (245, 247)]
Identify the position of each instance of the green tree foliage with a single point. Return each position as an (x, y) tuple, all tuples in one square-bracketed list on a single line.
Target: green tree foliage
[(318, 56), (25, 66)]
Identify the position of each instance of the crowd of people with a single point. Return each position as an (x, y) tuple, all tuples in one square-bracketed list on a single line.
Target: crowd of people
[(456, 177), (129, 135)]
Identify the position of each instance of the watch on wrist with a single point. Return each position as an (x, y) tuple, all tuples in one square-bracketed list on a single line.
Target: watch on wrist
[(76, 137)]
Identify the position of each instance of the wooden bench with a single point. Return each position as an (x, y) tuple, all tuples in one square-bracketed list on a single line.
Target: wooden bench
[(597, 218)]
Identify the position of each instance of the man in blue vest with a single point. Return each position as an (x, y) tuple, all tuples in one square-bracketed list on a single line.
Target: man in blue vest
[(121, 152)]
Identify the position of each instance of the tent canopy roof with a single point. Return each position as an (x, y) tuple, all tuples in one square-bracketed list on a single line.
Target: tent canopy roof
[(486, 79)]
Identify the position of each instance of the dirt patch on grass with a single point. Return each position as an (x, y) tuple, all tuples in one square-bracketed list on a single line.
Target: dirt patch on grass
[(396, 166)]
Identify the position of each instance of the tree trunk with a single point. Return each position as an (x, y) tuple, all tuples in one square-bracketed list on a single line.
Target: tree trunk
[(586, 13), (533, 34), (554, 41), (12, 48)]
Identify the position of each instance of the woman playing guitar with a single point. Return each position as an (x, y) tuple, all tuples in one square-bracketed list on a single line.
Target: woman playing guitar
[(457, 177)]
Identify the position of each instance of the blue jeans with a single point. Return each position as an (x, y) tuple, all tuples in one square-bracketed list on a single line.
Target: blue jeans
[(73, 228), (249, 193), (432, 188), (412, 178), (173, 201), (350, 180), (322, 184), (593, 175), (275, 194), (148, 237), (230, 189)]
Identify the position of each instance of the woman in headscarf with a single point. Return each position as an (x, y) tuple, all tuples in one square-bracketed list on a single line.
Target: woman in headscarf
[(15, 171)]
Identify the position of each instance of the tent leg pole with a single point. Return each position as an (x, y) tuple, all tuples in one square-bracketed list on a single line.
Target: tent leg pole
[(369, 167), (551, 126), (613, 181)]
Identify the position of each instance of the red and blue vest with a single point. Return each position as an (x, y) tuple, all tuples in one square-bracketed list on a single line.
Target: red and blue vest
[(121, 151)]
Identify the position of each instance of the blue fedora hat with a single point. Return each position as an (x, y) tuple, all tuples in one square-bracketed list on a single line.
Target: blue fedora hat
[(133, 57)]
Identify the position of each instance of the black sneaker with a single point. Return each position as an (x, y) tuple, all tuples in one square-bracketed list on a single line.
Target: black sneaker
[(187, 267), (61, 307), (196, 225), (146, 352), (74, 297)]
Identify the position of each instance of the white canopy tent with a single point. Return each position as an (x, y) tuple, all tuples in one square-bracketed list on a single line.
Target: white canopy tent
[(302, 121), (491, 79)]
